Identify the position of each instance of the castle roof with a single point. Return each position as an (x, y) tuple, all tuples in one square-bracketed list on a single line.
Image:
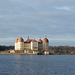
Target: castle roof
[(35, 50), (39, 41), (20, 39), (28, 40), (45, 40), (16, 41), (34, 40)]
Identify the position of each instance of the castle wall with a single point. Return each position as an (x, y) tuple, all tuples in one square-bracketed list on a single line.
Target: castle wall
[(40, 46), (45, 46), (16, 46), (27, 46), (31, 44), (20, 45), (34, 45)]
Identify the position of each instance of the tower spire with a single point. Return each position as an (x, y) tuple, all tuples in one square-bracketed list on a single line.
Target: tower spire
[(39, 37), (20, 35), (28, 36)]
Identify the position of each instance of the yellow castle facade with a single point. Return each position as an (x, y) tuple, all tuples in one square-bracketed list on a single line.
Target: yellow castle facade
[(31, 44)]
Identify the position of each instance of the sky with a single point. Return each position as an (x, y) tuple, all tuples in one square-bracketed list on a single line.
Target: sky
[(37, 18)]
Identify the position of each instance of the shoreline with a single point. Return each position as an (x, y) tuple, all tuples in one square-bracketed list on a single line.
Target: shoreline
[(35, 54), (15, 54)]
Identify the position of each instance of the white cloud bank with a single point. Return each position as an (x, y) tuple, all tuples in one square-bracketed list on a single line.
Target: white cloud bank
[(36, 17), (66, 8), (63, 8)]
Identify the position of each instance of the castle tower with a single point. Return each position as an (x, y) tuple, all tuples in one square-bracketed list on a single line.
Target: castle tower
[(45, 44), (40, 44), (16, 44), (20, 44)]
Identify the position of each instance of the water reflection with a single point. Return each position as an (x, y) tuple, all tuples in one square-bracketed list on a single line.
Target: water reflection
[(30, 65), (37, 65), (17, 65)]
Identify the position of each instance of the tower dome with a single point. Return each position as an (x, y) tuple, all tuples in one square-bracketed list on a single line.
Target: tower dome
[(40, 40), (34, 40), (20, 39), (45, 40), (16, 41)]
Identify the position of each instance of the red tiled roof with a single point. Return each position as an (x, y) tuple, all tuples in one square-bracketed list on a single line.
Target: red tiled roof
[(34, 40), (20, 39), (35, 50), (40, 41), (45, 40), (28, 40), (73, 51), (16, 41)]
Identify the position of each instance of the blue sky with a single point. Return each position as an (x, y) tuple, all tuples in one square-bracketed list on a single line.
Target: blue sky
[(37, 18)]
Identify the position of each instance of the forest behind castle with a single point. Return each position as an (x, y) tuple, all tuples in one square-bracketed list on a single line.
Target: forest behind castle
[(51, 48)]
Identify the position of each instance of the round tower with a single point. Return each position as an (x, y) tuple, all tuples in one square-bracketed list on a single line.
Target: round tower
[(40, 41), (20, 44), (40, 44), (45, 44), (16, 44)]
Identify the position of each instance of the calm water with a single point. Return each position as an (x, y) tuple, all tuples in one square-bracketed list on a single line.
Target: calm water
[(37, 65)]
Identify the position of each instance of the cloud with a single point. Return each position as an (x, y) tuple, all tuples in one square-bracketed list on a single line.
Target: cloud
[(55, 40), (63, 8), (7, 41), (62, 43), (37, 18), (66, 8)]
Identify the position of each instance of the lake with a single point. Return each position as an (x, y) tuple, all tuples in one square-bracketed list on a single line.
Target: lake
[(37, 64)]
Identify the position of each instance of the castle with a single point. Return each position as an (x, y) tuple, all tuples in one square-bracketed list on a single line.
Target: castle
[(31, 44)]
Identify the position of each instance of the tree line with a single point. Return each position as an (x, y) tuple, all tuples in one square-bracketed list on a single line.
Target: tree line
[(51, 48), (62, 49), (4, 48)]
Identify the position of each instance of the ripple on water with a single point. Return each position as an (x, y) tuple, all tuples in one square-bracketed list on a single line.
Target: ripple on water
[(37, 65)]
